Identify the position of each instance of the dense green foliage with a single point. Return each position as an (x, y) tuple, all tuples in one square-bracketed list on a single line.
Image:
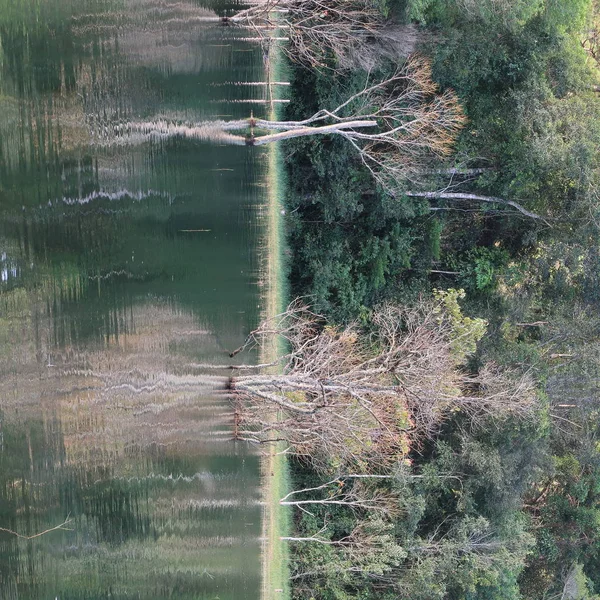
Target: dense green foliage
[(528, 88), (351, 243)]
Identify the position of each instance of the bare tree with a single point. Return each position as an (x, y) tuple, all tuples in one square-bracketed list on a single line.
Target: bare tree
[(411, 121), (455, 195), (397, 125), (371, 551), (370, 539), (452, 185), (351, 492), (357, 398), (331, 34)]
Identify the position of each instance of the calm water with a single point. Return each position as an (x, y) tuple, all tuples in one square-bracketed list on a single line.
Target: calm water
[(128, 263)]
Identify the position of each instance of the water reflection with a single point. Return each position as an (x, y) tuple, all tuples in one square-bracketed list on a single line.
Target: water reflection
[(128, 438), (124, 270)]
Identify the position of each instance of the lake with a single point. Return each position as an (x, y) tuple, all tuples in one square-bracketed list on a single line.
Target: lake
[(130, 264)]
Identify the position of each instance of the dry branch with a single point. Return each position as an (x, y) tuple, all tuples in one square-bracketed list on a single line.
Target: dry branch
[(332, 34), (397, 125), (357, 401), (60, 527), (441, 195)]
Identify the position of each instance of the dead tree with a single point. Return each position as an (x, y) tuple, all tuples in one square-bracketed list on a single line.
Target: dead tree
[(454, 186), (328, 400), (359, 495), (370, 544), (442, 195), (397, 126), (332, 34), (356, 399), (371, 540)]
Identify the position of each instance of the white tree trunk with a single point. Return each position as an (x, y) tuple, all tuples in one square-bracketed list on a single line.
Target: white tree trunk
[(475, 198), (304, 131)]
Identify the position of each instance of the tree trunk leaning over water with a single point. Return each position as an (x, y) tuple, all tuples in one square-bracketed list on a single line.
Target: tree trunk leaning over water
[(398, 126)]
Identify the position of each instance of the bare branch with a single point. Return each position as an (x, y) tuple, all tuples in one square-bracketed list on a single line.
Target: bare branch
[(60, 527), (334, 34), (397, 125), (358, 401)]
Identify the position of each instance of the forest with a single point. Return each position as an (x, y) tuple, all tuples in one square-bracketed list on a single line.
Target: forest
[(439, 395)]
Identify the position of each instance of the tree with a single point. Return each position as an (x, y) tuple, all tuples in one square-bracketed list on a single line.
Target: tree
[(443, 195), (549, 164), (332, 34), (397, 126), (414, 123), (470, 554), (355, 398), (514, 92), (354, 491)]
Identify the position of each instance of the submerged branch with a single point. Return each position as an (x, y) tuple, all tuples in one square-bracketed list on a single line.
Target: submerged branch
[(60, 527)]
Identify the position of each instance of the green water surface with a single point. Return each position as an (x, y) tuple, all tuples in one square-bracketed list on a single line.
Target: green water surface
[(129, 263)]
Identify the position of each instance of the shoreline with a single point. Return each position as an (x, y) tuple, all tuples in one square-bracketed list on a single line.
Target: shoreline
[(274, 469)]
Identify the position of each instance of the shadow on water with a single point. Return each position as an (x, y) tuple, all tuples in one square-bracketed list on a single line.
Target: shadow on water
[(124, 267)]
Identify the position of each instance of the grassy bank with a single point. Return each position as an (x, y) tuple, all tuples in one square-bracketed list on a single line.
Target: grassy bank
[(276, 519)]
